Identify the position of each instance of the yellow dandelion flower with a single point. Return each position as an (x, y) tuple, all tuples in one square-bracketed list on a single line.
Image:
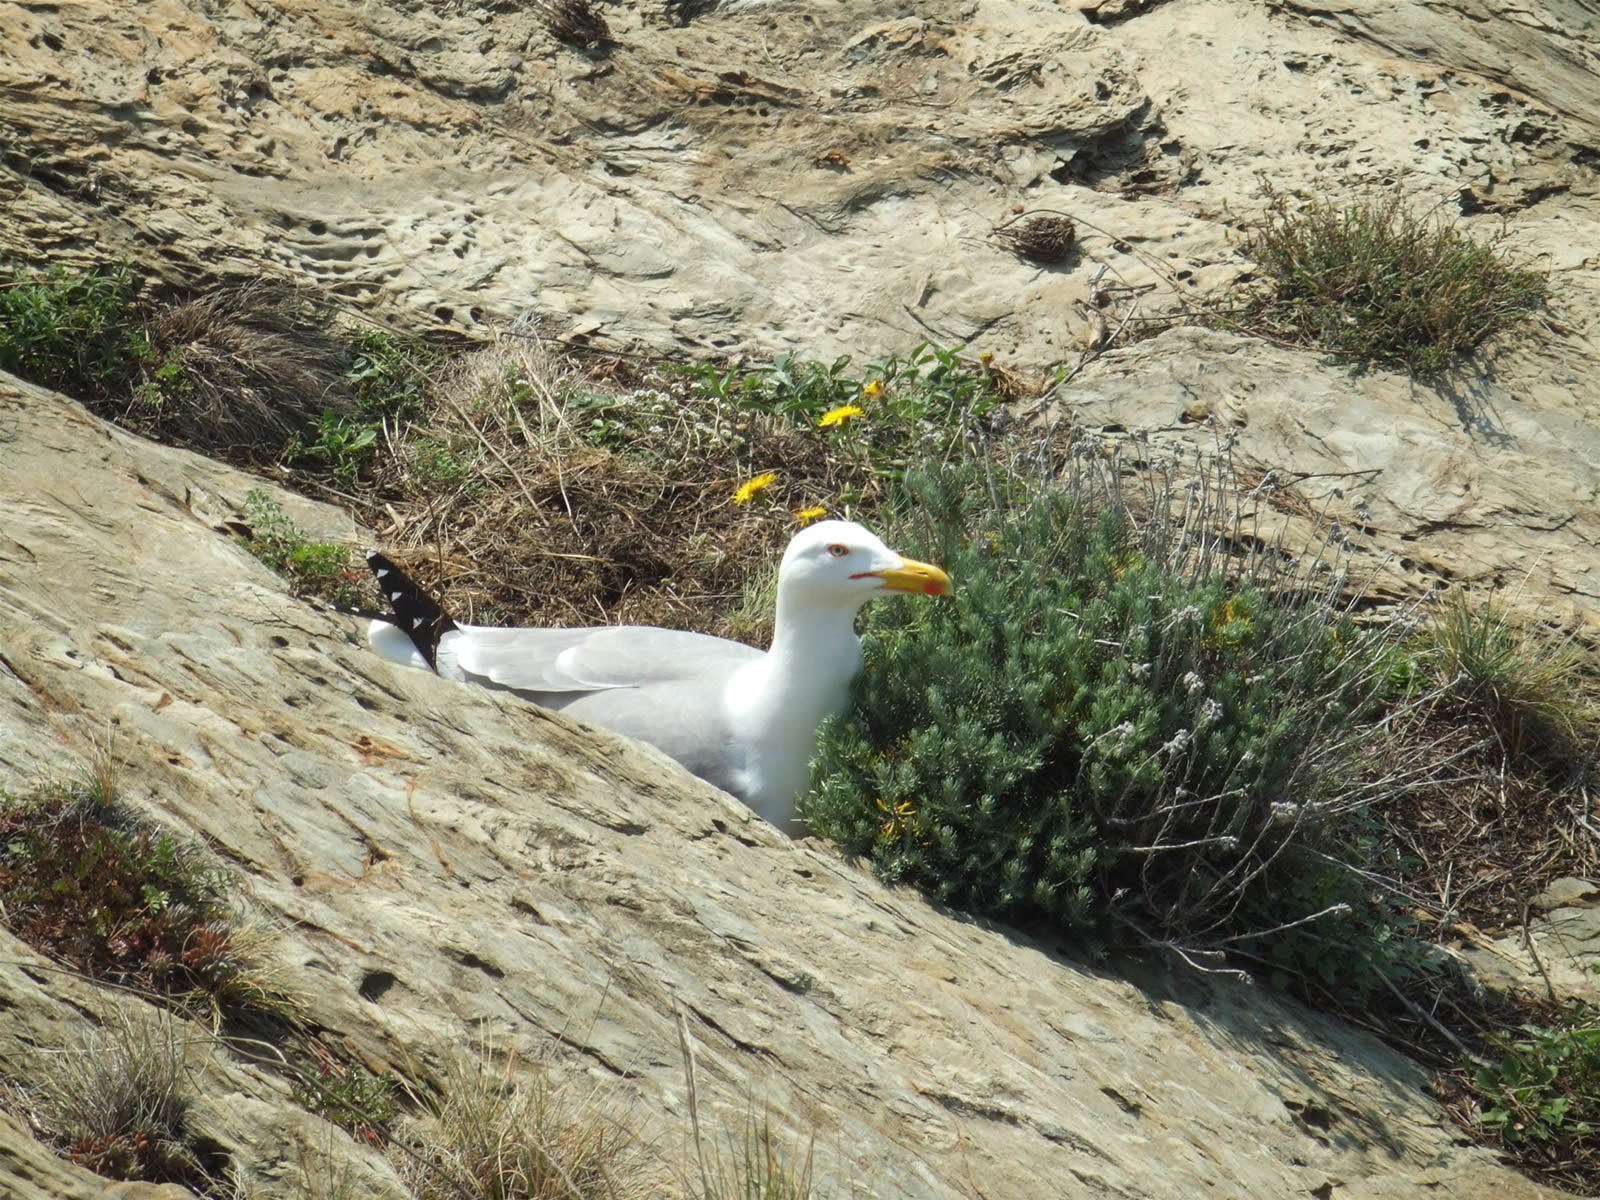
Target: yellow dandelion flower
[(986, 358), (807, 515), (873, 389), (838, 416), (748, 489)]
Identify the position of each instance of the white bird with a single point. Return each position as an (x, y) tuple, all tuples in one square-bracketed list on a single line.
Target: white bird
[(738, 718)]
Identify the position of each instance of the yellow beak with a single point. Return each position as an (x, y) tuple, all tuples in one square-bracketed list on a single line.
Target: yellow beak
[(914, 576)]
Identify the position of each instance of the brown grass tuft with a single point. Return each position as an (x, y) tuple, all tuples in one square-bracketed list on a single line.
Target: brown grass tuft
[(529, 495), (497, 1138), (577, 23), (1045, 239), (117, 1104), (250, 366)]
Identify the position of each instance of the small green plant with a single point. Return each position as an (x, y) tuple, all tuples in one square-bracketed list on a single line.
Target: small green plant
[(350, 1096), (386, 377), (907, 409), (1092, 734), (1529, 684), (343, 445), (77, 331), (116, 1102), (927, 383), (433, 462), (313, 568), (388, 373), (85, 881), (1379, 283), (1544, 1086)]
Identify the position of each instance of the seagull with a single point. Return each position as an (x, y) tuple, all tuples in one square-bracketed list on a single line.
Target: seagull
[(743, 720)]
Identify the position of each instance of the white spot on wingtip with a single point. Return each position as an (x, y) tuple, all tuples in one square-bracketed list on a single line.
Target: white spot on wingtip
[(419, 622), (382, 571)]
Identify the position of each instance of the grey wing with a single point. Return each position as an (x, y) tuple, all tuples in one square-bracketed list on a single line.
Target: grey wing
[(593, 659), (662, 686), (684, 720)]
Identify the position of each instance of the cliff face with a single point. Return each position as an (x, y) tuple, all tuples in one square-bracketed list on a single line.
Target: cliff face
[(447, 865), (770, 177), (450, 867)]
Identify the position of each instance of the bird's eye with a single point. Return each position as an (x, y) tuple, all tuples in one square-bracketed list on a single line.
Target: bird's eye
[(838, 550)]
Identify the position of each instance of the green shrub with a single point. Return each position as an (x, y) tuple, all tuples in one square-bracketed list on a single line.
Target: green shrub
[(1092, 733), (1380, 283), (77, 331), (1544, 1087)]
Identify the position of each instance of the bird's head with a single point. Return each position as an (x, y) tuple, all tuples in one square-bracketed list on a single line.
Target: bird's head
[(839, 562)]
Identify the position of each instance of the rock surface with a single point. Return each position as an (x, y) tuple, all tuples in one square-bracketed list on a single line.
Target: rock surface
[(450, 867), (825, 178)]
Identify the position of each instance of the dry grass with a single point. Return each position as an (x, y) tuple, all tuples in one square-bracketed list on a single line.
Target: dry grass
[(1044, 239), (756, 1164), (250, 367), (531, 494), (576, 22), (1484, 834), (497, 1138), (117, 1103)]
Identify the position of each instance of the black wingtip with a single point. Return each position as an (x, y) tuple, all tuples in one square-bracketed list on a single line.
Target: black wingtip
[(415, 612)]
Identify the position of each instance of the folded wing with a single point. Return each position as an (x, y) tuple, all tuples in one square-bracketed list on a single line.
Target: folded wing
[(553, 661)]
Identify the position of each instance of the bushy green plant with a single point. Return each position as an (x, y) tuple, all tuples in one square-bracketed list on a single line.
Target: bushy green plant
[(1088, 734), (77, 331), (1381, 283), (1543, 1086), (313, 568), (84, 881)]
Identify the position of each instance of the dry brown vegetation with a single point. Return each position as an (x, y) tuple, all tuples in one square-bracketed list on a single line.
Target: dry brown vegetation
[(533, 492), (253, 365)]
